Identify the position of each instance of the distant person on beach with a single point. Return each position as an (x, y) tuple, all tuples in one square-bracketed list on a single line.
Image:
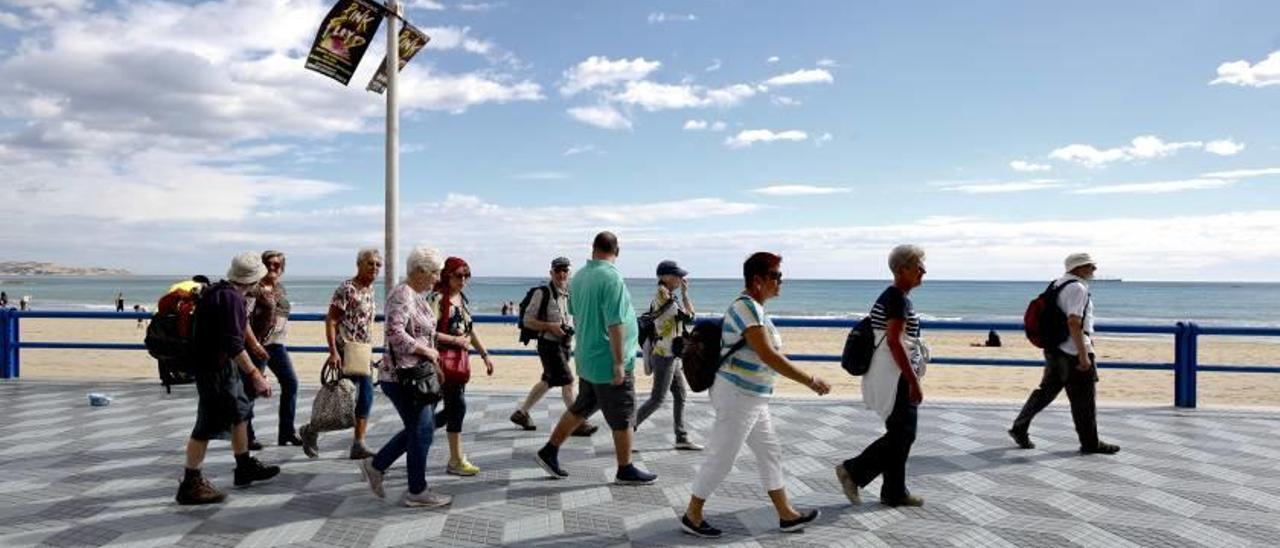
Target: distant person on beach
[(411, 340), (350, 318), (506, 309), (605, 339), (223, 403), (137, 308), (672, 310), (24, 302), (1071, 364), (891, 386), (268, 304), (740, 396), (548, 314), (119, 302), (4, 299), (455, 336), (993, 340)]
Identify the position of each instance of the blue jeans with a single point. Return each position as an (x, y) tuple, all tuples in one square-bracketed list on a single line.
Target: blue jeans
[(281, 366), (364, 395), (414, 439)]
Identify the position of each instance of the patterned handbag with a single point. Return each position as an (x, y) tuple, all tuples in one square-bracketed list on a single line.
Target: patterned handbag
[(334, 407)]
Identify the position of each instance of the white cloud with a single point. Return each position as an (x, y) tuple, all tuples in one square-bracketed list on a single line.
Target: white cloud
[(695, 125), (597, 71), (11, 20), (784, 101), (748, 137), (659, 17), (653, 96), (580, 149), (1003, 188), (773, 59), (447, 38), (714, 66), (1159, 187), (799, 190), (541, 176), (1143, 147), (601, 116), (823, 139), (1244, 173), (428, 5), (1224, 147), (480, 6), (1028, 167), (803, 76), (1265, 73), (827, 63)]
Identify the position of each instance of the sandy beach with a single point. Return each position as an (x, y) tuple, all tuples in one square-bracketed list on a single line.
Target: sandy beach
[(947, 382)]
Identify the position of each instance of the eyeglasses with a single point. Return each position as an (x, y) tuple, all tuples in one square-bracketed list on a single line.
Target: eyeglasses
[(274, 264), (775, 275), (462, 275), (561, 270)]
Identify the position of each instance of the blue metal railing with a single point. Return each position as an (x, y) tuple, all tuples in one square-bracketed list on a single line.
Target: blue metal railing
[(1185, 364)]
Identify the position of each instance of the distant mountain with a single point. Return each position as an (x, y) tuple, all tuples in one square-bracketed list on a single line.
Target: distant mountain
[(14, 268)]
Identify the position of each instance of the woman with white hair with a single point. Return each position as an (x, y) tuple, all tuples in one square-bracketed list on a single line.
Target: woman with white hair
[(410, 339), (891, 386)]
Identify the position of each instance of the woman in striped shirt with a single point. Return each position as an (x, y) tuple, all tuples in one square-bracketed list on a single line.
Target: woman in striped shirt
[(740, 396)]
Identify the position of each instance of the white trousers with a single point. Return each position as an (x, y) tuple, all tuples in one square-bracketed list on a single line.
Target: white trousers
[(740, 418)]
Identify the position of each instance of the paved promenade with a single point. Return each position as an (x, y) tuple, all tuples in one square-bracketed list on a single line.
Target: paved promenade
[(73, 475)]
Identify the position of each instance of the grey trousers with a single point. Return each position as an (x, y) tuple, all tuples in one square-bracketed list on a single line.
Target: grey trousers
[(1060, 372), (666, 377)]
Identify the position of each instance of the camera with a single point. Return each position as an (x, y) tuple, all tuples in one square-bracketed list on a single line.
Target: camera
[(568, 330)]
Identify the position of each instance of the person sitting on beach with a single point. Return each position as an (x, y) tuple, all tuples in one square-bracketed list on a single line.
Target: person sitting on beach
[(269, 307), (411, 337), (1072, 364), (605, 338), (555, 345), (350, 318), (4, 299), (455, 335), (223, 403), (740, 395), (993, 340), (891, 386), (673, 310)]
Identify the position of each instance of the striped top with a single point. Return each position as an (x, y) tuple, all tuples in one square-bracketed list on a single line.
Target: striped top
[(894, 304), (745, 369)]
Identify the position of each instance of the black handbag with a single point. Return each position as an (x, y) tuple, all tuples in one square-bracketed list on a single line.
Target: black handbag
[(420, 382)]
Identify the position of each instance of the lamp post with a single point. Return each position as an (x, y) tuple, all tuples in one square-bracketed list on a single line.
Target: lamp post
[(392, 213)]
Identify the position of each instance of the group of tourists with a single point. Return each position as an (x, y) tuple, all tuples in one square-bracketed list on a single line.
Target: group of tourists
[(586, 317)]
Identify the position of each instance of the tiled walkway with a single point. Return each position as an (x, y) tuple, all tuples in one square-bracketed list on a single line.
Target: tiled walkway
[(71, 474)]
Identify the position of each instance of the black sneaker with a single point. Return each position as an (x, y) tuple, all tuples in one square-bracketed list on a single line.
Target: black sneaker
[(797, 525), (703, 530), (549, 461), (1101, 449), (1021, 438), (630, 475), (584, 430), (255, 445), (199, 491), (253, 470), (523, 420)]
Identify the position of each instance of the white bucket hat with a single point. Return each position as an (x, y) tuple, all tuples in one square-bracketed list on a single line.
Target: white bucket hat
[(1077, 260), (246, 268)]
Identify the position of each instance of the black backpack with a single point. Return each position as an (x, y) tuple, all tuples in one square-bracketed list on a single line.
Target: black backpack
[(859, 347), (174, 351), (701, 357), (646, 326), (527, 334)]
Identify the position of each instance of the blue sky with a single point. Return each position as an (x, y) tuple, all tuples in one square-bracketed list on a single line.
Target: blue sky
[(164, 137)]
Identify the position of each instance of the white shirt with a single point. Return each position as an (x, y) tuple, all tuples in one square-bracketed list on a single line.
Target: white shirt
[(1074, 300)]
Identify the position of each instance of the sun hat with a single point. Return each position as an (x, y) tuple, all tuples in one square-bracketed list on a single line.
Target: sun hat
[(1077, 260), (246, 268)]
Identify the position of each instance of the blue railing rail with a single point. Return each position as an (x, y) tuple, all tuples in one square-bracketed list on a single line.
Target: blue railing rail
[(1185, 364)]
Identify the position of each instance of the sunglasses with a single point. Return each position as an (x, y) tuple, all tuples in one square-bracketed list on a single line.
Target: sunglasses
[(274, 264), (462, 275), (775, 275), (561, 270)]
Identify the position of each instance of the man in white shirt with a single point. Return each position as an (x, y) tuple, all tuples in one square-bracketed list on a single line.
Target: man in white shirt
[(1071, 363)]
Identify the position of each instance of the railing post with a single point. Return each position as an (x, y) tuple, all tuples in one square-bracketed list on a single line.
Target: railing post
[(1185, 365), (8, 344)]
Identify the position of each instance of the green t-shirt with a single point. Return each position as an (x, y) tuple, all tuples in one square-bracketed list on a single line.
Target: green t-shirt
[(600, 299)]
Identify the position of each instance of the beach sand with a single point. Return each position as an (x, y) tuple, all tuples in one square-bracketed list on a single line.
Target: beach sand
[(943, 382)]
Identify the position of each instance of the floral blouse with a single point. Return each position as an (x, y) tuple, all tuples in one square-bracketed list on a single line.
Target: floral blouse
[(410, 325), (357, 308)]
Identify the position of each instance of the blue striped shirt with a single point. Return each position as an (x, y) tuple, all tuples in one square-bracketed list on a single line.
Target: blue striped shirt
[(745, 369)]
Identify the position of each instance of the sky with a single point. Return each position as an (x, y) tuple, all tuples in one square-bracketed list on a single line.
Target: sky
[(165, 137)]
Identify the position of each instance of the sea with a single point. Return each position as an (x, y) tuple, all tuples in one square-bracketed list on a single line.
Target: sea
[(1128, 302)]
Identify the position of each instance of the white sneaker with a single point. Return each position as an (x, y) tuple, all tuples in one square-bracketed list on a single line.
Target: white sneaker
[(686, 445), (427, 498), (373, 476)]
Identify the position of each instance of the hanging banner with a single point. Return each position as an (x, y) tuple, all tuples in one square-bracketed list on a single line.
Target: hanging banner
[(411, 41), (343, 37)]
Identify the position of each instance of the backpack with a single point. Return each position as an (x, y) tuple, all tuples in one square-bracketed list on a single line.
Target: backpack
[(528, 334), (701, 357), (1044, 322), (170, 337), (859, 347), (646, 324)]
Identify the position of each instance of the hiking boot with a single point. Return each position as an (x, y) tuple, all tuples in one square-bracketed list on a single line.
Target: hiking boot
[(703, 530), (849, 486), (683, 444), (310, 441), (373, 476), (549, 460), (909, 500), (585, 429), (1102, 448), (427, 498), (523, 420), (797, 525), (630, 475), (252, 470), (359, 451), (199, 491), (1022, 438), (462, 468)]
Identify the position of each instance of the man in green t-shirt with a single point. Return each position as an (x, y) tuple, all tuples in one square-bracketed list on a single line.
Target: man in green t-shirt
[(606, 346)]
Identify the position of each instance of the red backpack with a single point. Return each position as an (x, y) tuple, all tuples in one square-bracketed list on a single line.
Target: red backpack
[(1044, 322)]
